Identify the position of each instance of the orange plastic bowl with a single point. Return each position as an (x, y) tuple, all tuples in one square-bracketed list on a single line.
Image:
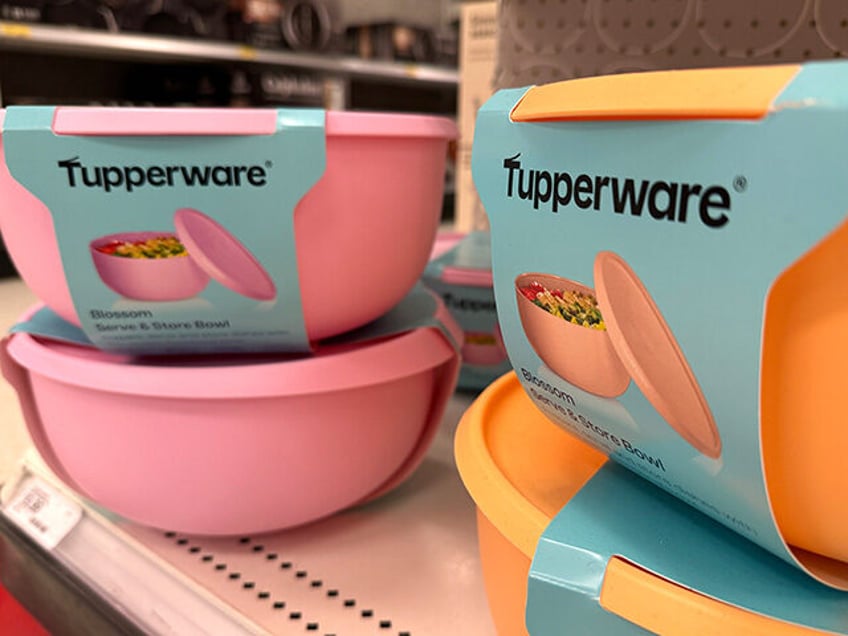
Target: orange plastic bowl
[(582, 356), (804, 436), (521, 469)]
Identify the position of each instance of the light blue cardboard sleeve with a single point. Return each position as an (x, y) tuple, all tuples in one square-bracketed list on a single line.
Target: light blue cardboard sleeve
[(617, 514), (707, 213), (417, 310), (473, 307), (245, 187)]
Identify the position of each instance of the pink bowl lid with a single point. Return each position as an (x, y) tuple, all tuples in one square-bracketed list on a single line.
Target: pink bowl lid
[(461, 259), (330, 368), (469, 277), (122, 121), (445, 241), (367, 124), (94, 121), (651, 354), (222, 256)]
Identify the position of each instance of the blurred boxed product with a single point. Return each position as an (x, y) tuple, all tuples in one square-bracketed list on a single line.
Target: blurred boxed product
[(478, 44)]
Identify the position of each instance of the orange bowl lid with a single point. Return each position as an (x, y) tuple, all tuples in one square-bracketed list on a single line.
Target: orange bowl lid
[(521, 469), (702, 93), (517, 465)]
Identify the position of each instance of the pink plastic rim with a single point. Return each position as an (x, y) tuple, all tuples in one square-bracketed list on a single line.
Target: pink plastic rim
[(444, 242), (452, 275), (359, 124), (331, 369), (469, 277), (163, 121), (222, 121)]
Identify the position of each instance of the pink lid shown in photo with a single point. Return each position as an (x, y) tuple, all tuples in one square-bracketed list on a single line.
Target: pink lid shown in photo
[(222, 255)]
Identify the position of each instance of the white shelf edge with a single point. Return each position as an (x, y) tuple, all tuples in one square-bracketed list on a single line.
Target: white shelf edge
[(148, 592)]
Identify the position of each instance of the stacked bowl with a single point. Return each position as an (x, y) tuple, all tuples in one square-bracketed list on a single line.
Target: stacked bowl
[(460, 272), (660, 426), (522, 472), (253, 441)]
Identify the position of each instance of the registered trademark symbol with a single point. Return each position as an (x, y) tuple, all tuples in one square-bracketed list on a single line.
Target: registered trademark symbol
[(269, 164), (740, 183)]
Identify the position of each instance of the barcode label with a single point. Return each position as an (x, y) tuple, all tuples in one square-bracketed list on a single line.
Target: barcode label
[(42, 512)]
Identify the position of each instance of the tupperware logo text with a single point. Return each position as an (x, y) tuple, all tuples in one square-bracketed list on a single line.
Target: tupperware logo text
[(661, 200), (129, 178)]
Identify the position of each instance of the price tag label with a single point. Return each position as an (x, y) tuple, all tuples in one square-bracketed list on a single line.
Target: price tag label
[(11, 30), (247, 53), (42, 512)]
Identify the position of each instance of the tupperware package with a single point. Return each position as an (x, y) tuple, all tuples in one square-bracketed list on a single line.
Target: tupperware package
[(219, 230), (461, 273), (668, 252)]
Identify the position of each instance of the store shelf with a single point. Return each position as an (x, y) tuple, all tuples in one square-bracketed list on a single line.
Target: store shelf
[(37, 38)]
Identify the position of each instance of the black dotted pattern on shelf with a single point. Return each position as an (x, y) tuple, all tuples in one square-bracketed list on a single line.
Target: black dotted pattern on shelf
[(264, 595)]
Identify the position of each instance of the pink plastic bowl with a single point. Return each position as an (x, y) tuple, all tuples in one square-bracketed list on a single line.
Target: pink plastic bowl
[(157, 279), (368, 225), (239, 445)]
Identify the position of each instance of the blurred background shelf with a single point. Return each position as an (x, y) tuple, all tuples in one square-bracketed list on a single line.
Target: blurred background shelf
[(384, 55), (389, 55), (43, 39)]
